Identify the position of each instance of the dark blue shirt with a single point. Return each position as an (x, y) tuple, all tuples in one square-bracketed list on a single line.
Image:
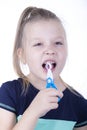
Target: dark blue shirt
[(72, 110)]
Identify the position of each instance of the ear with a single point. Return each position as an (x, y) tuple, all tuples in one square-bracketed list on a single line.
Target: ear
[(21, 56)]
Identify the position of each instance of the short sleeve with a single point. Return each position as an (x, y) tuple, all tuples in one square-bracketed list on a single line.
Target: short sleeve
[(9, 93)]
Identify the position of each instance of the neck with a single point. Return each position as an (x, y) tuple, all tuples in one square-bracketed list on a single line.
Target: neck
[(41, 84), (37, 82), (61, 85)]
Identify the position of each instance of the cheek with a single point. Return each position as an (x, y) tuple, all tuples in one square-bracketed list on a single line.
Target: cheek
[(32, 60), (30, 55), (62, 58)]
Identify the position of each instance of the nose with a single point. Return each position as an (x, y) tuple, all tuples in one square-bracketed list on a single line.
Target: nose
[(49, 52)]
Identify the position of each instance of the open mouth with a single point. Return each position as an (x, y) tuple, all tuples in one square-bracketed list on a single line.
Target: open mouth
[(49, 64)]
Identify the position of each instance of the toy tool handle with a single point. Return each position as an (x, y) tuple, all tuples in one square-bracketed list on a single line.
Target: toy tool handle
[(50, 84)]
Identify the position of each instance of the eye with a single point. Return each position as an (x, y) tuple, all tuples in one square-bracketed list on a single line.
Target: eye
[(58, 43), (38, 44)]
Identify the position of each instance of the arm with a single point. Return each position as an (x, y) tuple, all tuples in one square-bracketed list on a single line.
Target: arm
[(81, 128), (8, 121), (44, 101)]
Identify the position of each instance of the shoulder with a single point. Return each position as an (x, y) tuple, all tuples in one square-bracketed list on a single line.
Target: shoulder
[(10, 93), (74, 94), (78, 97), (79, 105), (11, 89), (12, 85), (75, 100)]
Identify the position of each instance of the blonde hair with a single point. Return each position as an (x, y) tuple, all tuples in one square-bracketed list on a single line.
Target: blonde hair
[(28, 15)]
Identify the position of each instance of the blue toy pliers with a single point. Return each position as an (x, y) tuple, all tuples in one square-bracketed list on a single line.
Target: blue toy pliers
[(49, 80)]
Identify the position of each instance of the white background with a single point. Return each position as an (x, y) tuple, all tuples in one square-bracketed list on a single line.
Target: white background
[(74, 16)]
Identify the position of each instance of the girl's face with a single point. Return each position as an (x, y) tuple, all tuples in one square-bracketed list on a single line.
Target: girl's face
[(44, 41)]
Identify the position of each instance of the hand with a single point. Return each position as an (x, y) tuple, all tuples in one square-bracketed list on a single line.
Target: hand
[(45, 100)]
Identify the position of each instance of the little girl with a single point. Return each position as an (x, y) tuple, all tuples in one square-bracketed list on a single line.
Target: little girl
[(26, 103)]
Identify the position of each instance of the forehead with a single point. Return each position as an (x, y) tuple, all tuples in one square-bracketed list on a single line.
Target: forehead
[(44, 28)]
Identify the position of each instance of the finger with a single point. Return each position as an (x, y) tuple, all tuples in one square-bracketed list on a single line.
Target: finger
[(53, 99), (53, 106), (60, 94), (54, 92)]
